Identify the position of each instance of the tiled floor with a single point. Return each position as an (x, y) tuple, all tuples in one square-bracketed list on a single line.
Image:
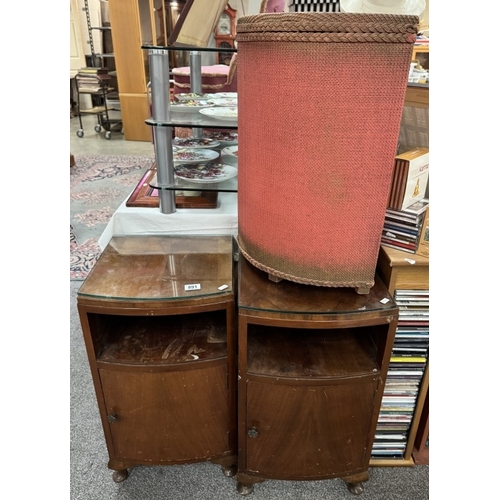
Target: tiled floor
[(93, 143)]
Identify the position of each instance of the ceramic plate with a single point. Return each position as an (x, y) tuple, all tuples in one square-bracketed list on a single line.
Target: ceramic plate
[(188, 155), (228, 95), (221, 112), (209, 172), (188, 106), (193, 96), (223, 102), (225, 137), (231, 151), (193, 143)]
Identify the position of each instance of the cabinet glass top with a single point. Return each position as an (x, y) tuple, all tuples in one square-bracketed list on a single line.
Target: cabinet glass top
[(261, 294), (162, 268)]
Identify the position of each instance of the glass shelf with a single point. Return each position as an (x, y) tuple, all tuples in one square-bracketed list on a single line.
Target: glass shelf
[(192, 119), (190, 48), (228, 186)]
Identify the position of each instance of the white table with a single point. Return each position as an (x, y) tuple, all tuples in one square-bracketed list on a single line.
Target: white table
[(128, 221)]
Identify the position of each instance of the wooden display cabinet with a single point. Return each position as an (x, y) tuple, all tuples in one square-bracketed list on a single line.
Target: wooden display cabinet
[(311, 371), (402, 270), (158, 319)]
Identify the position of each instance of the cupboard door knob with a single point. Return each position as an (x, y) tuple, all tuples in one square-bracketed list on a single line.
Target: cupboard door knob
[(253, 432), (112, 418)]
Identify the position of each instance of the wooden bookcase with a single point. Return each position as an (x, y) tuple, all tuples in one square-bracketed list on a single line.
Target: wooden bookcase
[(403, 270)]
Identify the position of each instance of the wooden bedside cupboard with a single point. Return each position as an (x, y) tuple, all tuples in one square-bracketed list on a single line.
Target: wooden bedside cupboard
[(312, 363), (158, 319)]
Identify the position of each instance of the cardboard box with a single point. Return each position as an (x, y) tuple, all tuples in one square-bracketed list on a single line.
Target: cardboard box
[(423, 243)]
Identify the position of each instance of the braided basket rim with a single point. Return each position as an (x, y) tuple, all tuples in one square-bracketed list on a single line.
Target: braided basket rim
[(340, 22)]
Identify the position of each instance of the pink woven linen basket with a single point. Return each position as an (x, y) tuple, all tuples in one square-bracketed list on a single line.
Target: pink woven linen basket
[(320, 100)]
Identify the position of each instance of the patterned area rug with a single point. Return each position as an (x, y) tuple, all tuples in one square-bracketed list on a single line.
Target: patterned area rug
[(98, 186)]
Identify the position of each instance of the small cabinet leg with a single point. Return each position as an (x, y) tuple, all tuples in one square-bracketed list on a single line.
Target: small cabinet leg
[(355, 482), (230, 471), (229, 465), (244, 489), (246, 482), (120, 475)]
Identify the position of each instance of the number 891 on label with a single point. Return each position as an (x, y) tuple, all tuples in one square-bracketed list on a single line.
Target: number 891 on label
[(194, 286)]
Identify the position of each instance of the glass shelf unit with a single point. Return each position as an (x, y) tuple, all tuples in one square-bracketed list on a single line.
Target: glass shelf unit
[(164, 118)]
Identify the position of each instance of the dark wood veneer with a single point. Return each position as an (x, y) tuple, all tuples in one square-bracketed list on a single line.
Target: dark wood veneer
[(163, 359), (312, 365)]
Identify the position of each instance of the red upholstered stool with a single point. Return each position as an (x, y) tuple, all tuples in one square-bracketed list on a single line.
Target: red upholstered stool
[(320, 99)]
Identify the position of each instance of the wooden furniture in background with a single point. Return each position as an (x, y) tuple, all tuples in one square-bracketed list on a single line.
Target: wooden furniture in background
[(159, 329), (421, 446), (225, 34), (417, 95), (131, 66), (136, 23), (414, 128), (421, 54), (398, 273), (311, 371)]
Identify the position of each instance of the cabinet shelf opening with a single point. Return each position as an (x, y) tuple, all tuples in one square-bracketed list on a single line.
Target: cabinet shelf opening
[(159, 340)]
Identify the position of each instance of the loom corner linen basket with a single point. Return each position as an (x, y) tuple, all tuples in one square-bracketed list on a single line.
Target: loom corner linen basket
[(320, 100)]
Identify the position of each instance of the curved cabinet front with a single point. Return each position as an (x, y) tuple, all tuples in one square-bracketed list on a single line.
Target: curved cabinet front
[(308, 431), (167, 417)]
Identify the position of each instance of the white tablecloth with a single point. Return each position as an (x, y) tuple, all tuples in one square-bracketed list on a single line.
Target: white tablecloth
[(128, 221)]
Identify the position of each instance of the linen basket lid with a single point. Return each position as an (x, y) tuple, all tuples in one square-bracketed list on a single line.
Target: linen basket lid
[(327, 27)]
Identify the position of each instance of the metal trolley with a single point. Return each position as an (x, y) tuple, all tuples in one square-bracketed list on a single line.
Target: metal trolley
[(98, 87)]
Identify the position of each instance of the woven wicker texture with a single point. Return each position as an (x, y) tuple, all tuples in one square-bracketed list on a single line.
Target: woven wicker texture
[(320, 99)]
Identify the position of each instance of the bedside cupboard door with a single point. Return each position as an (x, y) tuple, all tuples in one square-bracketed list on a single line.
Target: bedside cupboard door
[(299, 431), (167, 416)]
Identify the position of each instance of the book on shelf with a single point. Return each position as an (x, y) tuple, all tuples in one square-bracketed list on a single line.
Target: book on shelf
[(423, 242), (87, 77), (413, 312), (424, 302), (415, 209), (398, 234), (397, 246), (93, 71), (400, 292), (408, 359), (402, 228), (409, 178)]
